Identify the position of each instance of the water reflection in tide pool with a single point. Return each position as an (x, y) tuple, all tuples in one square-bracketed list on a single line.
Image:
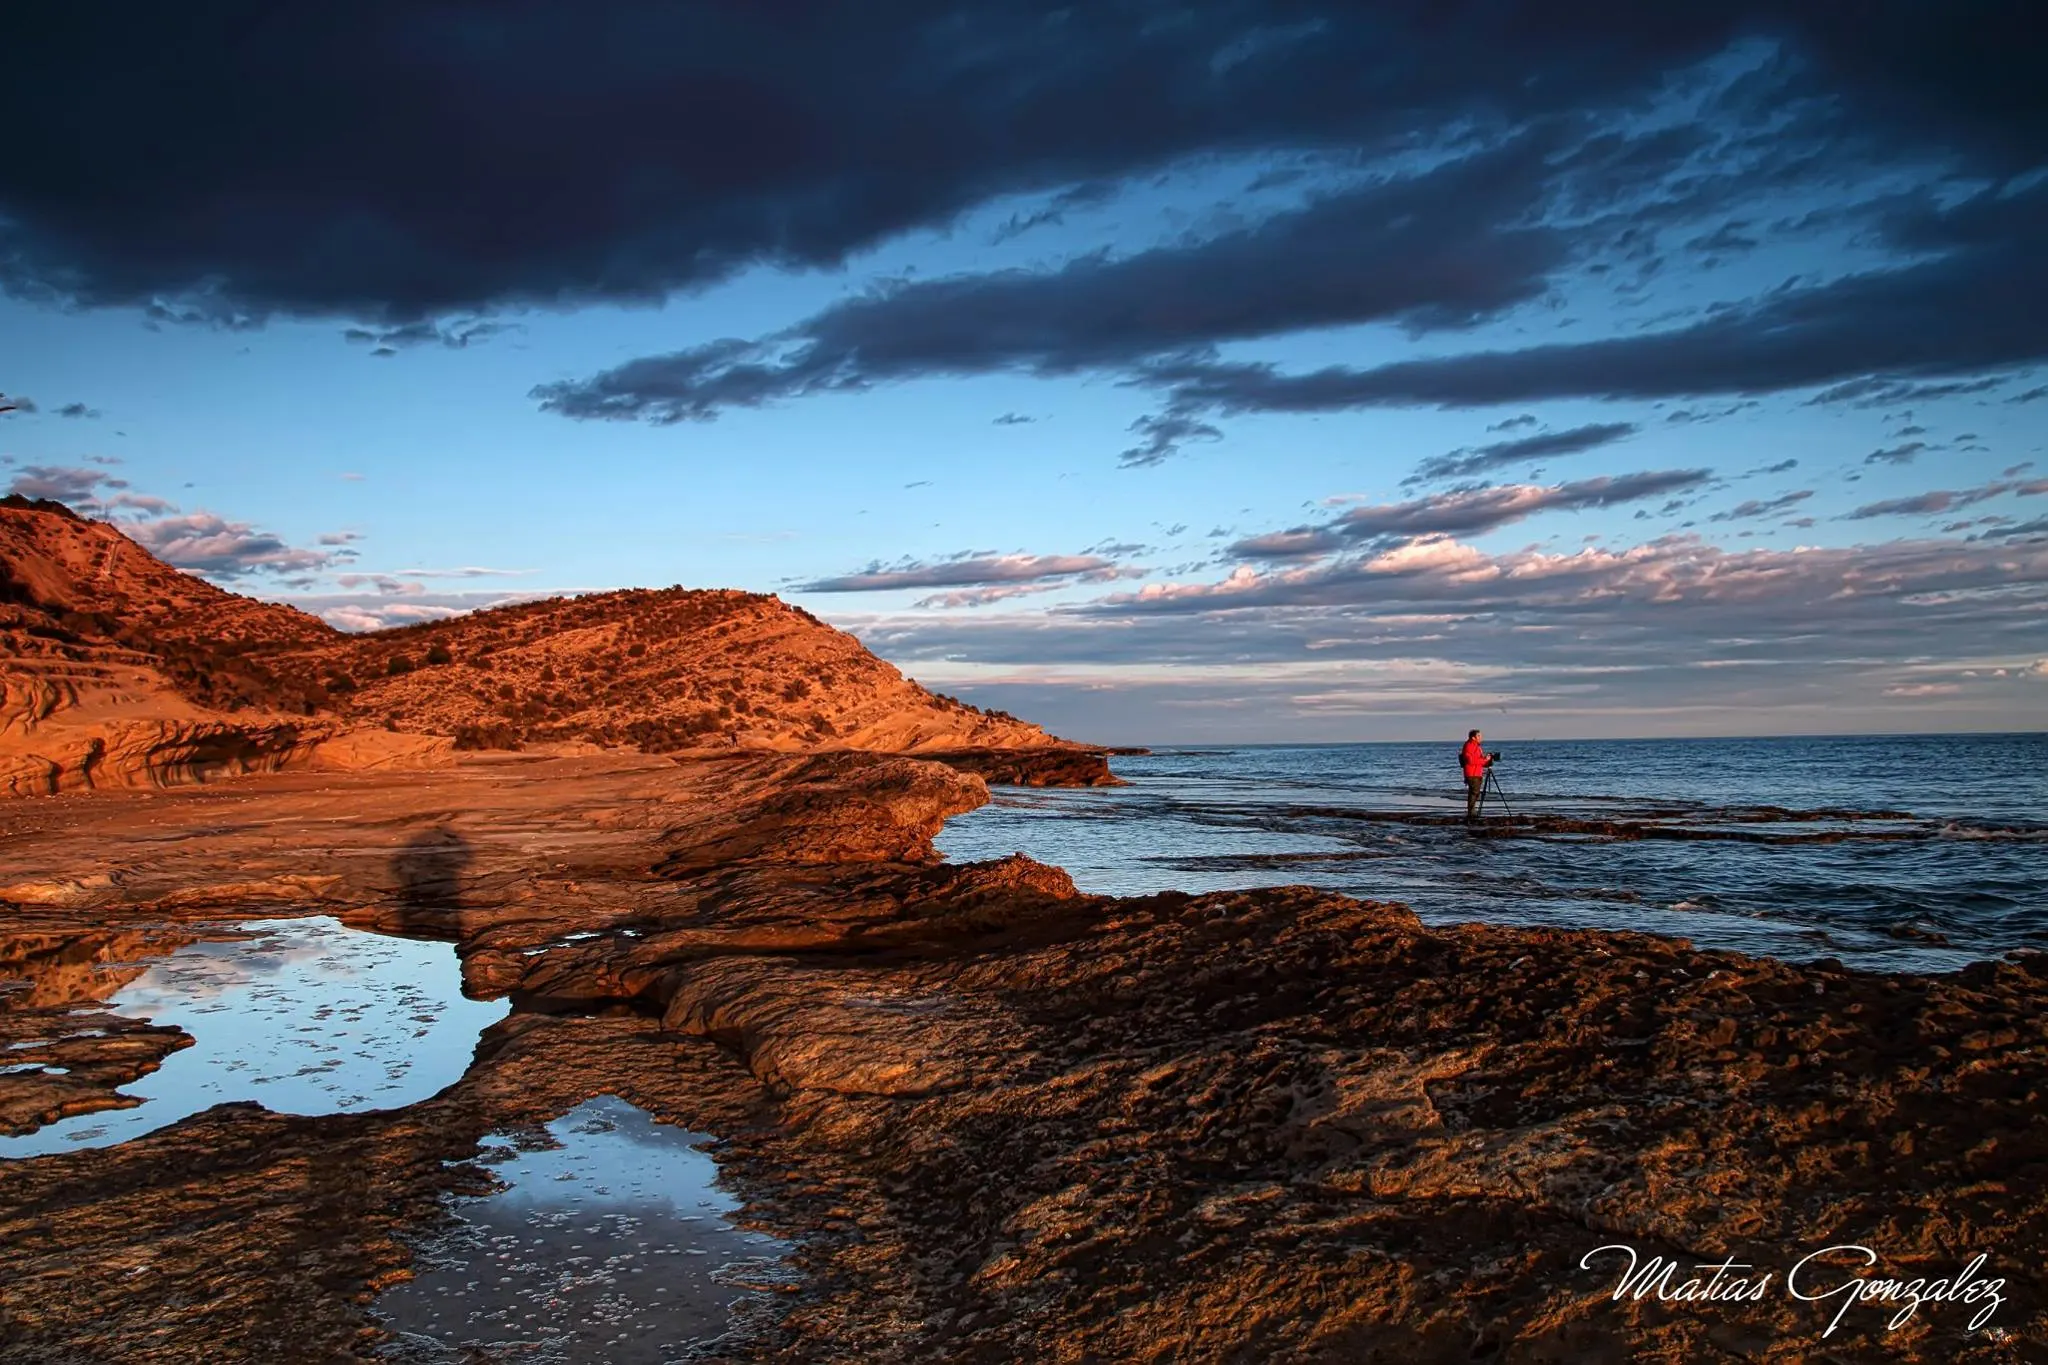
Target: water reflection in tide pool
[(609, 1243), (303, 1016)]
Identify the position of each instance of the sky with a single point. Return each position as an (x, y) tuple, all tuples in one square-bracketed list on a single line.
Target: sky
[(1211, 371)]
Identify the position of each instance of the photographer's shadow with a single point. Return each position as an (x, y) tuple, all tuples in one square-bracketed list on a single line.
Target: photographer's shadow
[(429, 870)]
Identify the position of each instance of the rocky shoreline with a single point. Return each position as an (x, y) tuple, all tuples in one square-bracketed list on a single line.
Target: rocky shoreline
[(1005, 1120)]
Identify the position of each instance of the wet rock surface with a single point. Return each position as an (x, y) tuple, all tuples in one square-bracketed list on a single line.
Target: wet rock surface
[(1002, 1120), (1073, 766)]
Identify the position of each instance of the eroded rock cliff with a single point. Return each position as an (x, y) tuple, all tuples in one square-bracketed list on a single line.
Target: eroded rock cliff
[(117, 670)]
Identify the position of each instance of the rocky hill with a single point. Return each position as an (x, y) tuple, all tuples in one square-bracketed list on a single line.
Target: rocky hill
[(664, 671), (116, 669)]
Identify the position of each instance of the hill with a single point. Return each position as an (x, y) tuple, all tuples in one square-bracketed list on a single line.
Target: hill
[(116, 668), (663, 671)]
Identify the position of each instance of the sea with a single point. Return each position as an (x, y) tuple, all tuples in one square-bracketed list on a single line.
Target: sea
[(1913, 853)]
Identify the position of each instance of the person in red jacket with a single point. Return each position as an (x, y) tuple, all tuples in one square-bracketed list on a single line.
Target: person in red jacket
[(1474, 760)]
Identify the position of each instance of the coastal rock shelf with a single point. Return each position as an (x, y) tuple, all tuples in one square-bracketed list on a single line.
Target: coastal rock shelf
[(995, 1118)]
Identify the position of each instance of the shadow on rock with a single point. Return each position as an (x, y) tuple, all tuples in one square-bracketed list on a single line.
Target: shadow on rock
[(429, 870)]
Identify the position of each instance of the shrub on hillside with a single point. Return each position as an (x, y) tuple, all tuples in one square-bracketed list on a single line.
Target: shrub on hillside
[(490, 735)]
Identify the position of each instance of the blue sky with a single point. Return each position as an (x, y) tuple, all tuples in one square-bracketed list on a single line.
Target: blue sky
[(945, 411)]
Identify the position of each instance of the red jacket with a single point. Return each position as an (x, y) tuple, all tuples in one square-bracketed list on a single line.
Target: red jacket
[(1473, 759)]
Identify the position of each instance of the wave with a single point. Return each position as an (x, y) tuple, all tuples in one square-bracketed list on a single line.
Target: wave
[(1960, 829)]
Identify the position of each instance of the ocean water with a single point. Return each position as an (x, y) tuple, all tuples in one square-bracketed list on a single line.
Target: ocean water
[(1891, 853)]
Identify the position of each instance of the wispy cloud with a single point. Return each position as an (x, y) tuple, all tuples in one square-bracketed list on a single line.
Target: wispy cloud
[(1763, 507), (1466, 512), (1903, 453), (1940, 500), (1464, 464), (973, 570), (455, 334)]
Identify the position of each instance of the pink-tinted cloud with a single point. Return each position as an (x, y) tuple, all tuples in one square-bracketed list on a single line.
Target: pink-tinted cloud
[(970, 571), (1947, 499), (1467, 511), (204, 543)]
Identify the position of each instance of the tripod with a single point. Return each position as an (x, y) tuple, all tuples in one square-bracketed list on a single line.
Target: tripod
[(1492, 786)]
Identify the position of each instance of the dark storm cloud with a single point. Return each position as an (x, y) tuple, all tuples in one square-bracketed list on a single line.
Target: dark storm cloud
[(1903, 453), (555, 153), (1967, 293), (1465, 463), (1982, 305), (77, 410), (1434, 250)]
